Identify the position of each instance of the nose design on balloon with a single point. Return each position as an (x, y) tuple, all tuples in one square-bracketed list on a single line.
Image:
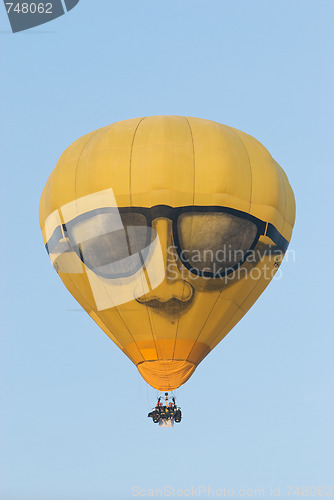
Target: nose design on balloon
[(32, 13), (174, 295)]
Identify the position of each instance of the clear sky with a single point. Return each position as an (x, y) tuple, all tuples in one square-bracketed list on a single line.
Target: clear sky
[(73, 422)]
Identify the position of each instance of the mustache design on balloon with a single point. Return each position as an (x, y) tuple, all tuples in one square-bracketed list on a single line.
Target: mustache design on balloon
[(28, 14)]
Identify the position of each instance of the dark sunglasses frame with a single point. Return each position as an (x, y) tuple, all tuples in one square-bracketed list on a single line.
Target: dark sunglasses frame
[(173, 214)]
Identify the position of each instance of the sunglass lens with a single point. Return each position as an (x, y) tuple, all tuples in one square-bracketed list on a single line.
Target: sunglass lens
[(110, 244), (214, 243)]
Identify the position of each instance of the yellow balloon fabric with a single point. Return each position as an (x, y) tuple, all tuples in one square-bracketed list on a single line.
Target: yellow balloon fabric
[(166, 230)]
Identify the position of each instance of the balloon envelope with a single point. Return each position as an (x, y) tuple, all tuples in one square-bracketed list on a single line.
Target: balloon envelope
[(166, 230)]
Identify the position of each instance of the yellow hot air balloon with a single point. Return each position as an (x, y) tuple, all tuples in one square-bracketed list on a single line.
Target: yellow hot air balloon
[(166, 230)]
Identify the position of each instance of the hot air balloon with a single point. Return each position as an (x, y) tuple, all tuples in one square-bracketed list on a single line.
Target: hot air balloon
[(166, 230)]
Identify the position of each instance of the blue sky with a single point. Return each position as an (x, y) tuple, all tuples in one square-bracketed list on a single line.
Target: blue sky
[(73, 420)]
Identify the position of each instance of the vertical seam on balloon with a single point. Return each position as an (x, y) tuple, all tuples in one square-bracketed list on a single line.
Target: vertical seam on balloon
[(78, 161), (194, 161), (130, 192), (128, 329), (236, 132), (205, 322), (230, 319), (155, 344), (194, 185), (239, 309), (130, 160), (281, 173), (208, 316), (106, 129), (150, 319)]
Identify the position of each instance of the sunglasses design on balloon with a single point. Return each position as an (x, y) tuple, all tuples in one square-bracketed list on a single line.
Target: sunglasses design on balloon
[(115, 242)]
